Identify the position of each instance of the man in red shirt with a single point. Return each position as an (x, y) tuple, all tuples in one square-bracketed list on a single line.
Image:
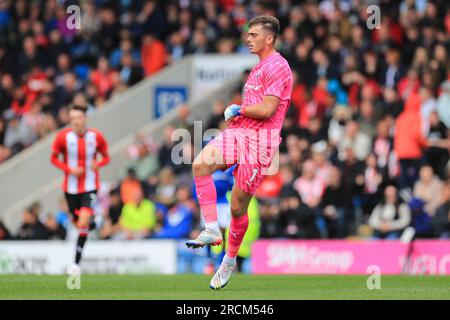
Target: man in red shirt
[(153, 54), (80, 146), (409, 141)]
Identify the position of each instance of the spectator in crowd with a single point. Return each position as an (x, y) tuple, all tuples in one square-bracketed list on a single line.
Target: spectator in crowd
[(390, 217), (270, 187), (428, 188), (129, 72), (438, 153), (383, 146), (7, 86), (65, 93), (111, 225), (409, 142), (31, 55), (31, 228), (63, 66), (320, 158), (217, 115), (355, 139), (153, 54), (175, 48), (391, 103), (35, 118), (428, 104), (270, 221), (409, 84), (126, 48), (287, 178), (353, 182), (2, 131), (394, 70), (18, 135), (4, 232), (130, 186), (177, 222), (199, 43), (103, 78), (55, 231), (138, 217), (443, 104), (309, 186), (166, 189), (336, 128), (367, 119), (151, 184), (108, 33), (295, 155), (62, 215), (143, 156), (420, 219), (315, 131), (373, 180), (165, 151), (185, 119), (333, 205), (22, 101), (298, 221), (441, 220)]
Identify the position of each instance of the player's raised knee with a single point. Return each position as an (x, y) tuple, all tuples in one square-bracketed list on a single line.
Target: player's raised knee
[(199, 168)]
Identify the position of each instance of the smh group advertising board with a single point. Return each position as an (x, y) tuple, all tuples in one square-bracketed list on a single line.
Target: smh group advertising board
[(350, 257)]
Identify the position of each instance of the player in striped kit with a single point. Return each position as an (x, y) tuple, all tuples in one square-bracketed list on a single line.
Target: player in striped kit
[(80, 146), (250, 141)]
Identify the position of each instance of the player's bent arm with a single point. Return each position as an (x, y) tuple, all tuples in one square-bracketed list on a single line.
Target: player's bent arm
[(103, 150), (105, 160), (58, 163), (264, 110), (57, 149)]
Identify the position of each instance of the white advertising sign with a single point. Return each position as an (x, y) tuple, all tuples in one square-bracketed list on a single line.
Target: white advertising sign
[(211, 71), (116, 257)]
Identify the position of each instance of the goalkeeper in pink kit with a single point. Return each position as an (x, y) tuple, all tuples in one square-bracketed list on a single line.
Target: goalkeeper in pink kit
[(250, 141)]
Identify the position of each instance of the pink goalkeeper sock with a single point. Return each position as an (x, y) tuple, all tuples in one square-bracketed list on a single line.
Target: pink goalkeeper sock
[(238, 228), (207, 198)]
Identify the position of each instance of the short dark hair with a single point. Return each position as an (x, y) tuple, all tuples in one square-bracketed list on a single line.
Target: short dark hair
[(268, 23), (78, 107)]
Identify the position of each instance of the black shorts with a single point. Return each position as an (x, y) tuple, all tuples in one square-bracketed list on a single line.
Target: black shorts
[(77, 201)]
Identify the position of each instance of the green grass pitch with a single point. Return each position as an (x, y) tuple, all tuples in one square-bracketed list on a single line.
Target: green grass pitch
[(240, 287)]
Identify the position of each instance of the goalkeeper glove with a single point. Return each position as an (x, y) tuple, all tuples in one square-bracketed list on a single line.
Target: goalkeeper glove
[(232, 111)]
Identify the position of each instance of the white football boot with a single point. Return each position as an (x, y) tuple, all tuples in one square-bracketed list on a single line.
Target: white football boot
[(222, 275), (206, 238)]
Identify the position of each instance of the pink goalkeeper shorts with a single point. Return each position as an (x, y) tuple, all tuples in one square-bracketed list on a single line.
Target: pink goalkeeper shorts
[(251, 151)]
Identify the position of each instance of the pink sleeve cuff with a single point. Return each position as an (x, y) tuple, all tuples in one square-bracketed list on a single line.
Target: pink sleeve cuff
[(242, 110)]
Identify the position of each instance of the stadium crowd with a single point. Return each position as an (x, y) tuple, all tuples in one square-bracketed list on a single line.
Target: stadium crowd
[(366, 141)]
